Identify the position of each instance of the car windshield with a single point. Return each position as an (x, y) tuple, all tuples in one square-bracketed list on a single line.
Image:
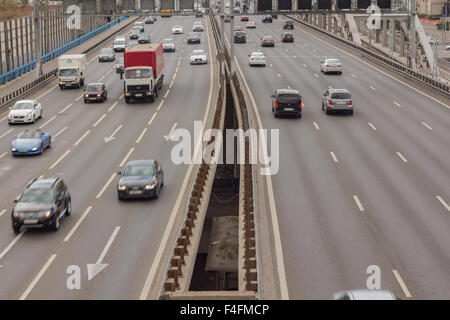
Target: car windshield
[(106, 51), (23, 105), (167, 41), (29, 135), (94, 87), (67, 72), (143, 36), (289, 98), (177, 27), (288, 34), (135, 30), (333, 61), (192, 35), (119, 42), (198, 52), (239, 33), (137, 74), (341, 95), (141, 170), (258, 54), (37, 195)]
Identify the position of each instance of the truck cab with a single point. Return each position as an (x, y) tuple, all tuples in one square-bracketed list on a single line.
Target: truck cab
[(71, 70)]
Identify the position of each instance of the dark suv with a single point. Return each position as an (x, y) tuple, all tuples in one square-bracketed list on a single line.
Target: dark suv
[(288, 25), (42, 204), (287, 102), (239, 37), (287, 37)]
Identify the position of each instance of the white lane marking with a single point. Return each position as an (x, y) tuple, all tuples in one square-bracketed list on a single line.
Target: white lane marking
[(179, 62), (270, 65), (279, 75), (82, 137), (358, 203), (6, 133), (335, 159), (176, 70), (75, 227), (126, 157), (402, 157), (426, 125), (373, 88), (141, 135), (169, 136), (113, 106), (289, 87), (446, 206), (372, 126), (316, 125), (160, 105), (99, 120), (94, 269), (397, 104), (106, 186), (316, 75), (109, 71), (171, 84), (4, 252), (352, 75), (59, 160), (62, 111), (2, 212), (48, 121), (330, 87), (153, 118), (108, 244), (174, 76), (3, 154), (167, 93), (101, 78), (60, 131), (401, 283), (121, 97), (379, 70), (79, 97), (4, 118), (38, 277), (41, 176), (305, 65)]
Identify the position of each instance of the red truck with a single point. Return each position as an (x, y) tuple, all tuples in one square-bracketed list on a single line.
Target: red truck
[(143, 71)]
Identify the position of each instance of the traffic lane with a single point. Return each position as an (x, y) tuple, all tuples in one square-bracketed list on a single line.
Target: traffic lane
[(127, 266)]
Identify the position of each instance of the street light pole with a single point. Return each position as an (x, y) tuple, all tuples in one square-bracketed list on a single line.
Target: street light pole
[(5, 30)]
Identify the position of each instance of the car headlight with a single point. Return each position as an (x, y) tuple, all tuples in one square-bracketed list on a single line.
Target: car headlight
[(13, 149), (29, 115), (16, 214), (9, 116), (121, 188), (149, 186), (46, 214), (34, 149), (99, 95), (86, 96)]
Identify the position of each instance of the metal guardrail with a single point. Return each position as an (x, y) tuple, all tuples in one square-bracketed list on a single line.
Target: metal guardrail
[(428, 81)]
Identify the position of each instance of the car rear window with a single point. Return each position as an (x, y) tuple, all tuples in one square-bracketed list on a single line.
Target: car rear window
[(289, 98), (342, 95)]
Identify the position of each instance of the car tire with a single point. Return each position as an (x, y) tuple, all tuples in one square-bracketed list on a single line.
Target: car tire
[(85, 101), (119, 197), (68, 207), (299, 115), (16, 229), (327, 111), (49, 143), (350, 112), (34, 119), (156, 192), (55, 226)]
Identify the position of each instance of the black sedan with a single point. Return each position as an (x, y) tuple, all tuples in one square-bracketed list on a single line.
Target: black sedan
[(140, 179), (144, 38), (287, 37), (193, 37), (239, 37), (95, 92), (267, 41)]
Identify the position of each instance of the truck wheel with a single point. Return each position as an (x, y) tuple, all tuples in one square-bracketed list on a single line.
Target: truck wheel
[(152, 98), (127, 99)]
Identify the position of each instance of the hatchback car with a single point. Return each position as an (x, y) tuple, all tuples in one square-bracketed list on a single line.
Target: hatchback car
[(244, 18), (193, 38), (267, 18), (331, 65), (134, 35), (239, 37), (288, 25), (257, 59), (119, 44), (168, 45), (267, 41), (139, 25), (144, 38), (199, 57), (337, 100), (106, 54), (95, 92), (41, 205), (25, 111), (251, 24), (287, 37), (30, 142), (177, 29), (140, 179), (287, 102)]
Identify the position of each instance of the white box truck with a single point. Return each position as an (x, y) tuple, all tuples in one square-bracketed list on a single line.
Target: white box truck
[(71, 70)]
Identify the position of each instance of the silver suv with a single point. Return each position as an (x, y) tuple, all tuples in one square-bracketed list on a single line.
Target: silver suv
[(337, 100)]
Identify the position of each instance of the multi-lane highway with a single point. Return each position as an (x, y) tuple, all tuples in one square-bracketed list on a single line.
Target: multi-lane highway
[(372, 189), (124, 235)]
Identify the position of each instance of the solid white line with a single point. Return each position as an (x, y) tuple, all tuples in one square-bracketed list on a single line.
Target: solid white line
[(402, 157), (446, 206), (397, 104), (48, 121), (3, 154), (59, 160), (142, 134), (126, 157), (426, 125), (305, 65), (113, 106), (117, 130), (167, 93), (99, 120), (174, 76), (176, 70), (79, 97), (316, 125), (160, 104), (82, 137), (179, 62), (62, 111), (39, 276), (373, 88), (121, 96), (2, 212), (109, 71), (352, 75), (11, 244), (334, 156), (372, 126), (401, 283), (316, 75), (75, 227), (153, 118), (6, 133), (358, 203), (106, 186), (101, 78), (171, 84), (60, 131), (108, 245)]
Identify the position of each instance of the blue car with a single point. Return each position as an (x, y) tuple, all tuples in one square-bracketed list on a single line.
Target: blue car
[(30, 142)]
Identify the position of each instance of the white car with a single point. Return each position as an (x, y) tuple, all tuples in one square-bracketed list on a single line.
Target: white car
[(119, 44), (177, 30), (257, 58), (168, 44), (198, 27), (331, 65), (25, 111), (447, 48), (364, 294), (140, 25), (199, 57)]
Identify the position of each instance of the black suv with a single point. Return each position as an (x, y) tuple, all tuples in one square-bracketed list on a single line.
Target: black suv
[(287, 102), (267, 18), (287, 37), (239, 37), (288, 25), (42, 204), (193, 37)]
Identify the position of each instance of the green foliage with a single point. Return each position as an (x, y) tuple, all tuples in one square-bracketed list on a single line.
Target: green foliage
[(440, 25)]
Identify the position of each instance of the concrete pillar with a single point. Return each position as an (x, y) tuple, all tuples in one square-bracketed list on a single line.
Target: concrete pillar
[(377, 35), (329, 22), (385, 23), (402, 41)]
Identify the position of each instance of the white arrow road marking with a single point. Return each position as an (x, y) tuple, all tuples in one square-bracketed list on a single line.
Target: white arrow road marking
[(372, 126), (358, 203), (111, 137), (94, 269), (169, 136)]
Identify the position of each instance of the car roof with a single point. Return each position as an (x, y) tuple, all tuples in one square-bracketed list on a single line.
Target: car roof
[(365, 294), (287, 91), (26, 101), (140, 162), (43, 183), (339, 90), (95, 84)]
